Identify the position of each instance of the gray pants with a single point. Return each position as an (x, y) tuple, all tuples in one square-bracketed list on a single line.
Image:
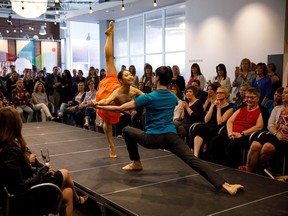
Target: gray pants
[(27, 109)]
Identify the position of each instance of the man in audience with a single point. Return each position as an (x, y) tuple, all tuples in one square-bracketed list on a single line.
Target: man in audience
[(21, 100), (53, 88)]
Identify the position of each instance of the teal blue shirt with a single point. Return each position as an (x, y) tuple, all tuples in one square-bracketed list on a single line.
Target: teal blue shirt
[(159, 106)]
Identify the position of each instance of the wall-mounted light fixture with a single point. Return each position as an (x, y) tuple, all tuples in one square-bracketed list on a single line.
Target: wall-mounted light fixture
[(42, 30), (155, 3), (90, 9)]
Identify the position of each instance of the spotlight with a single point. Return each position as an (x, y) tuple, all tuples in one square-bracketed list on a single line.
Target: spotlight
[(90, 9), (42, 30), (9, 20), (88, 37), (155, 3), (123, 7)]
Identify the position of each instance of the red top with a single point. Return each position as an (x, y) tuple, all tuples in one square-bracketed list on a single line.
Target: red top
[(245, 119)]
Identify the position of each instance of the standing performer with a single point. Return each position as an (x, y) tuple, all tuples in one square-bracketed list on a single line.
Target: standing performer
[(161, 132), (113, 89)]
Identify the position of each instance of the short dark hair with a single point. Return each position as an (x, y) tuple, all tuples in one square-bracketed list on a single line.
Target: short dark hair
[(165, 75), (196, 81), (193, 88)]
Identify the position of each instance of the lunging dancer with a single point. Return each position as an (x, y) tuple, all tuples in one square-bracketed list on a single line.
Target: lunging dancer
[(161, 132), (113, 89)]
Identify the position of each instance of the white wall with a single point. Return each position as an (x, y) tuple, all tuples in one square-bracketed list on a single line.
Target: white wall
[(226, 31)]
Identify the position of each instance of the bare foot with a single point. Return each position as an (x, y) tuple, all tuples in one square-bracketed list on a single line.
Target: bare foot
[(110, 28)]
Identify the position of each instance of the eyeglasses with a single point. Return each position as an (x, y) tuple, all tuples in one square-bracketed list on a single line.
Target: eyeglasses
[(220, 92), (284, 92), (251, 97)]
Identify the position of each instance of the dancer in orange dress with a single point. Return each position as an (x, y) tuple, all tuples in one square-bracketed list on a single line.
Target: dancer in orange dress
[(113, 89)]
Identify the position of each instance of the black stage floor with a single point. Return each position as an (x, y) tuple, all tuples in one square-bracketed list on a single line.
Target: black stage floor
[(166, 186)]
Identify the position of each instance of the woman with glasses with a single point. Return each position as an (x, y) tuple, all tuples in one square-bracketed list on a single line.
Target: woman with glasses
[(216, 117), (226, 148), (276, 140)]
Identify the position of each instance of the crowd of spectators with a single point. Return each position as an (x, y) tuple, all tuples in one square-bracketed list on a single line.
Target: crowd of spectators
[(64, 97)]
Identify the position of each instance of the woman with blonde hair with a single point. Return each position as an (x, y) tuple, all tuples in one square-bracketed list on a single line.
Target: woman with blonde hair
[(216, 117), (40, 101)]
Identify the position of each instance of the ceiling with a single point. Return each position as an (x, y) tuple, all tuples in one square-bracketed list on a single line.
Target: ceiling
[(78, 10)]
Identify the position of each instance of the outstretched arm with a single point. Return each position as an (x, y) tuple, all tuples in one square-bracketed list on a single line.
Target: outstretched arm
[(126, 106)]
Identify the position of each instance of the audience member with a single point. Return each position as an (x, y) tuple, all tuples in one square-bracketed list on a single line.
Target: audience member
[(11, 84), (178, 79), (21, 100), (276, 81), (277, 100), (84, 112), (201, 95), (66, 85), (196, 75), (19, 175), (102, 74), (226, 148), (148, 78), (211, 96), (263, 83), (276, 140), (179, 108), (92, 75), (193, 111), (40, 101), (244, 75), (53, 87), (216, 117), (132, 70), (241, 100), (222, 79), (72, 106)]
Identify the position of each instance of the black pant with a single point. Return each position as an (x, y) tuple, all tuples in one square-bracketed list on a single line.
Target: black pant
[(173, 143)]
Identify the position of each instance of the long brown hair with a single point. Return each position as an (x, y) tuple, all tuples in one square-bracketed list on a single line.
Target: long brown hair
[(10, 128)]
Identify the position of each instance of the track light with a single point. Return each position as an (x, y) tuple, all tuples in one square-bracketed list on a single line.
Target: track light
[(123, 7), (155, 3), (63, 25), (9, 20), (90, 9), (42, 30), (88, 37)]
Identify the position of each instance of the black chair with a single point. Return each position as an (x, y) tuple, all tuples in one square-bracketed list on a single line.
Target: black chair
[(39, 200)]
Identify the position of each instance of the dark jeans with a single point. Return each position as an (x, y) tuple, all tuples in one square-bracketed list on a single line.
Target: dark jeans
[(171, 142)]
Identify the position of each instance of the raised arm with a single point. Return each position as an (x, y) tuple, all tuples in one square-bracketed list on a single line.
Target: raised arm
[(126, 106)]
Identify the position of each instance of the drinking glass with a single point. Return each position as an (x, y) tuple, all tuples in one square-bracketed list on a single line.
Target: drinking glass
[(45, 156)]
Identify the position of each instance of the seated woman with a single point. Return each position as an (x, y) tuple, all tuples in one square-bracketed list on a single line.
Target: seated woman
[(40, 101), (226, 148), (216, 117), (179, 109), (19, 175), (71, 106), (241, 100), (276, 140), (211, 98), (83, 109), (193, 111)]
